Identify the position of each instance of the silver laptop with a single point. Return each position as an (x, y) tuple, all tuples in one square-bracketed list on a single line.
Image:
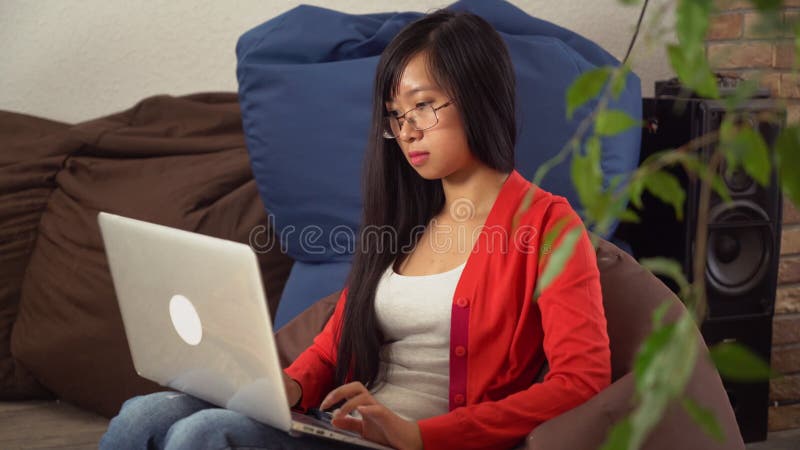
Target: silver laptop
[(196, 320)]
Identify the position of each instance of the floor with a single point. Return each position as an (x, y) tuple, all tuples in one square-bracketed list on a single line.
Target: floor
[(60, 426), (781, 440), (48, 425)]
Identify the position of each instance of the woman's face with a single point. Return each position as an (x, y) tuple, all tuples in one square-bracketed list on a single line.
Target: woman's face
[(445, 144)]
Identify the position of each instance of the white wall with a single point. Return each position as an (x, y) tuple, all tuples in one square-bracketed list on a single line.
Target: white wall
[(72, 60)]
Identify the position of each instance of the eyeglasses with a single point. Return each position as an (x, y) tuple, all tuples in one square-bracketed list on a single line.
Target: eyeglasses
[(421, 118)]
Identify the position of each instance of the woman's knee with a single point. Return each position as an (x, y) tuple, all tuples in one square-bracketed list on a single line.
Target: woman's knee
[(221, 428), (143, 421)]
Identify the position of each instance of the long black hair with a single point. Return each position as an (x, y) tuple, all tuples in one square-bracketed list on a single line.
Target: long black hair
[(467, 59)]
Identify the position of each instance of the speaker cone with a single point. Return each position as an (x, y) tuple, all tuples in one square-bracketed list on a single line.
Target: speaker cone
[(738, 181), (739, 243)]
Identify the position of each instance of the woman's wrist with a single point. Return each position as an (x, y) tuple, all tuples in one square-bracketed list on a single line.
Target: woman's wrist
[(297, 392), (294, 392), (416, 436)]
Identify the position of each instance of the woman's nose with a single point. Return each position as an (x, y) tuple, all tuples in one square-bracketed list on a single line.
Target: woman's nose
[(408, 133)]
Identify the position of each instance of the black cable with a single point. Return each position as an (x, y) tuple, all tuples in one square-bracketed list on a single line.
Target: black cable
[(635, 33)]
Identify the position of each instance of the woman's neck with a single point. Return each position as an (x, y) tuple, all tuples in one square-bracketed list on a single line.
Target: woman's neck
[(472, 195)]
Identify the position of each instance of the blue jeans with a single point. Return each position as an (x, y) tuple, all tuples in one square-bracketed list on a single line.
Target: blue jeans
[(173, 420)]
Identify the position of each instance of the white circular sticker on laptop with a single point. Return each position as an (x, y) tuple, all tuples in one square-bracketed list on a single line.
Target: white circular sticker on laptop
[(185, 320)]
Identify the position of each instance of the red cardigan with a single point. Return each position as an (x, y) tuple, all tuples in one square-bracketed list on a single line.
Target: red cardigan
[(499, 337)]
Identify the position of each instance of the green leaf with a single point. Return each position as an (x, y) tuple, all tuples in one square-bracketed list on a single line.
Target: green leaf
[(603, 212), (619, 438), (756, 155), (703, 79), (659, 313), (736, 362), (579, 167), (787, 148), (747, 146), (616, 180), (668, 189), (727, 134), (636, 189), (586, 87), (587, 175), (705, 418), (669, 153), (551, 235), (727, 129), (593, 148), (669, 268), (620, 81), (678, 62), (653, 346), (693, 164), (694, 71), (691, 21), (594, 152), (612, 122), (719, 186), (613, 207), (558, 259), (629, 216)]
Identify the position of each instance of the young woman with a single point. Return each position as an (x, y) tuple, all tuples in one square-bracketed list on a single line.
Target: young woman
[(437, 341)]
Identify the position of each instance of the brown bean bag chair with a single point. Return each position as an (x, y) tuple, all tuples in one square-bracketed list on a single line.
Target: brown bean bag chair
[(32, 151), (180, 162)]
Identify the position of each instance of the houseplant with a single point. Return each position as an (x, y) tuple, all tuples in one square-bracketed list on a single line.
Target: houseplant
[(667, 357)]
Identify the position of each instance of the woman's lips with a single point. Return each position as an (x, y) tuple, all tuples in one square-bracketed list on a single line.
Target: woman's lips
[(418, 158)]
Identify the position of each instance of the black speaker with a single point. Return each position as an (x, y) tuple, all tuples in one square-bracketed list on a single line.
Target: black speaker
[(750, 401), (743, 235)]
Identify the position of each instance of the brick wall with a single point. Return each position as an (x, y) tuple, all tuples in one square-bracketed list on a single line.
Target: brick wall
[(734, 45)]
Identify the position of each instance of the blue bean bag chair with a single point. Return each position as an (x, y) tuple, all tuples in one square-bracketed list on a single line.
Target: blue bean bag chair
[(305, 84)]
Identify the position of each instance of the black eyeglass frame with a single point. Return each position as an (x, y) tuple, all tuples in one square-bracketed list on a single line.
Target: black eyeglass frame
[(400, 125)]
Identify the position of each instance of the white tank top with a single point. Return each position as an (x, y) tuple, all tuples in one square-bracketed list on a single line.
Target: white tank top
[(413, 313)]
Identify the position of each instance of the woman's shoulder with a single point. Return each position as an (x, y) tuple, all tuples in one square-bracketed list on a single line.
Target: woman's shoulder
[(544, 207)]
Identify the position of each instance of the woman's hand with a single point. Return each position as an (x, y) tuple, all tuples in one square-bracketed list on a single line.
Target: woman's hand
[(378, 423)]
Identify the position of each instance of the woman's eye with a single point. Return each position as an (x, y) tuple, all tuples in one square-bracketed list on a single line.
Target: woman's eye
[(422, 104)]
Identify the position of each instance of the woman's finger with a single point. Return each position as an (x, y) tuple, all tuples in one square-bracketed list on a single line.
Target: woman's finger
[(349, 423), (343, 392), (376, 412), (362, 399)]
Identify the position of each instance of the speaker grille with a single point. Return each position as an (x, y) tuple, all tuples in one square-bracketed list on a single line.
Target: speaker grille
[(739, 247)]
